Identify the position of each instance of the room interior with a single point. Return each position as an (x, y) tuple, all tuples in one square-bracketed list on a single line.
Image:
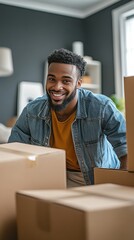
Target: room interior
[(32, 34), (33, 178)]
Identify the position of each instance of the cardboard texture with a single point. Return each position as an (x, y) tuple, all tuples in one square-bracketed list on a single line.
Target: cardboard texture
[(129, 103), (116, 176), (24, 166), (109, 190), (76, 215)]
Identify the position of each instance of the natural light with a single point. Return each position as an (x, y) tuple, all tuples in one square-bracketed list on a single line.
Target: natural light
[(129, 45), (123, 43)]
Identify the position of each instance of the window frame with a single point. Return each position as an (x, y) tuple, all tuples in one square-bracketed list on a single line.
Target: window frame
[(118, 23)]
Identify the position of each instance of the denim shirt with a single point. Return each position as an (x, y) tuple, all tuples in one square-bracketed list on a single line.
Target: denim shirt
[(98, 131)]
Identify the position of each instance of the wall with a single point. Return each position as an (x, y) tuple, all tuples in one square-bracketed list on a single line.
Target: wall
[(32, 35), (99, 44)]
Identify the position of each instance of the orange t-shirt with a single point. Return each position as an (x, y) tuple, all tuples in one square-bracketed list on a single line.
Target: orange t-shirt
[(61, 138)]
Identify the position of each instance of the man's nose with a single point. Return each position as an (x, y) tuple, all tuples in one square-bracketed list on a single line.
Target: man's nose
[(58, 85)]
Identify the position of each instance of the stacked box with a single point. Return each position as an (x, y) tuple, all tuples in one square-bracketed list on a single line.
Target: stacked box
[(129, 103), (109, 190), (116, 176), (24, 166), (75, 214)]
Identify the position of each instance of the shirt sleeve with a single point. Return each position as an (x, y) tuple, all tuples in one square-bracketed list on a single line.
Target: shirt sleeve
[(114, 127), (20, 131)]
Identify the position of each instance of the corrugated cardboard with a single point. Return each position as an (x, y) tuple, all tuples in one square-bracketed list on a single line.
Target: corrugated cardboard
[(24, 166), (117, 176), (109, 190), (82, 216), (129, 103)]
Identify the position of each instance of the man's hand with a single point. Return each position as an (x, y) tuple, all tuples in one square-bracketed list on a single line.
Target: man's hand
[(123, 161)]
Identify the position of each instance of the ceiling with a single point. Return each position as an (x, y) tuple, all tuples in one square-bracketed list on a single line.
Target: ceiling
[(74, 8)]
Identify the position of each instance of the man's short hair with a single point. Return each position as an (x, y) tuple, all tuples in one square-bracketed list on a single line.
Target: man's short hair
[(65, 56)]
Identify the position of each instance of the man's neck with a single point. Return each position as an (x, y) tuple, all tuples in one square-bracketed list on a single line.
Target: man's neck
[(65, 114)]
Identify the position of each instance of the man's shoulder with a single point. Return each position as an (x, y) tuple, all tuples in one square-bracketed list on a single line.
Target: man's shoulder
[(94, 104), (37, 104), (93, 97)]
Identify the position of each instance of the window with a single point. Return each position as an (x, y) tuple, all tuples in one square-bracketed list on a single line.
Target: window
[(129, 43), (123, 40)]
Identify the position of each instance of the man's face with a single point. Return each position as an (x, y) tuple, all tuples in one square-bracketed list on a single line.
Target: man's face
[(62, 82)]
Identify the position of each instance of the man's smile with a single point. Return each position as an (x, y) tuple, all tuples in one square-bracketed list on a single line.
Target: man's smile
[(57, 96)]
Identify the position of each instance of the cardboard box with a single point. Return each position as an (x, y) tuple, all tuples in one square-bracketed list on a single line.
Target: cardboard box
[(109, 190), (117, 176), (50, 215), (129, 103), (24, 166)]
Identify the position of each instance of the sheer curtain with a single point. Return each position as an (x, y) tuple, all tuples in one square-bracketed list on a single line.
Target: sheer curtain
[(123, 44), (129, 26)]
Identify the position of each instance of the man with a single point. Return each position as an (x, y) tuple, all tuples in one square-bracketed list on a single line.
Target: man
[(87, 126)]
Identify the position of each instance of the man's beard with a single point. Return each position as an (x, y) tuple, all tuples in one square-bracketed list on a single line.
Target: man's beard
[(66, 101)]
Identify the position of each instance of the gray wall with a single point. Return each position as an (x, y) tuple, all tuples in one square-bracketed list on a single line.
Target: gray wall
[(32, 35), (99, 44)]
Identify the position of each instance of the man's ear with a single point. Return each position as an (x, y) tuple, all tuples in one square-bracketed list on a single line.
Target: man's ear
[(79, 82)]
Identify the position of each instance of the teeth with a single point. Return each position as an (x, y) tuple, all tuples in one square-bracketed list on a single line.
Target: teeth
[(57, 95)]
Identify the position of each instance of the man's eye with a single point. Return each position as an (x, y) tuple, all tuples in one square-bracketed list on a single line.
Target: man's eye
[(66, 81), (51, 79)]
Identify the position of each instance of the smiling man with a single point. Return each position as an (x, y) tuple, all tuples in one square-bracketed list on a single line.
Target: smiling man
[(87, 126)]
